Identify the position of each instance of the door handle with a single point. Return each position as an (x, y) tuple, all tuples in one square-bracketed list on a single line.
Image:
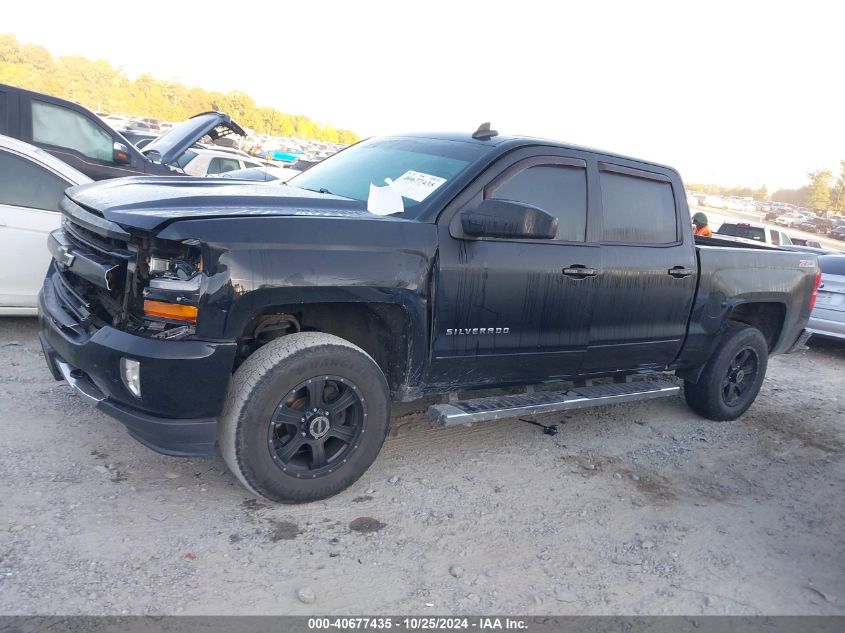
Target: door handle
[(679, 272), (578, 271)]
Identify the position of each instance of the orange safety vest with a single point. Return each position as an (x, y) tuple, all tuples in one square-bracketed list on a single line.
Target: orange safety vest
[(704, 231)]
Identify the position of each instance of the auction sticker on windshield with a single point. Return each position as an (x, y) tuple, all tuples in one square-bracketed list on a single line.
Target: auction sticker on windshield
[(417, 185)]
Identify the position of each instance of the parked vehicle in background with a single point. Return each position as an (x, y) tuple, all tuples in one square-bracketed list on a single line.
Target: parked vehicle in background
[(279, 323), (139, 126), (803, 241), (828, 316), (31, 184), (115, 122), (138, 138), (715, 202), (838, 232), (81, 139), (790, 219), (209, 162), (815, 225), (755, 232), (265, 173)]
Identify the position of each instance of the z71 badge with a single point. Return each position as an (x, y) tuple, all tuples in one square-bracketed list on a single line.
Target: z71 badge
[(478, 330)]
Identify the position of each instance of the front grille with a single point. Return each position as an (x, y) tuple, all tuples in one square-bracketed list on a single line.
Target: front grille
[(84, 295)]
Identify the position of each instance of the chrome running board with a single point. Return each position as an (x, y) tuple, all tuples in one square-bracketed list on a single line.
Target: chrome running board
[(535, 403)]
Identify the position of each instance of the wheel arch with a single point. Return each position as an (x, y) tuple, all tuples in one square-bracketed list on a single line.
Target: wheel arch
[(389, 325), (766, 314)]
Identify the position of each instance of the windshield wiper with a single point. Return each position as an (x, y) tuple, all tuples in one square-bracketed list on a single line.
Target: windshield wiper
[(320, 190)]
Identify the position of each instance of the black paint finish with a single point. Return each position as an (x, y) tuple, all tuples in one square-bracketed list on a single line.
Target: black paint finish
[(452, 311)]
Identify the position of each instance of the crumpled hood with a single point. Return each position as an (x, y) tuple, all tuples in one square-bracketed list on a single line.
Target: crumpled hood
[(147, 202)]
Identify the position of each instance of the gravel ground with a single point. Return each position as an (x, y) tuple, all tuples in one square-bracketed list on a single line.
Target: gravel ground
[(633, 509)]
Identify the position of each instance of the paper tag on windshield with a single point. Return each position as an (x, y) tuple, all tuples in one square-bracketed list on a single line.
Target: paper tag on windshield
[(417, 185)]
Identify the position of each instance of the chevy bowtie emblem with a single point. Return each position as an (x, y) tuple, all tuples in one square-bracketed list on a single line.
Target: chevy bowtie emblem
[(65, 257)]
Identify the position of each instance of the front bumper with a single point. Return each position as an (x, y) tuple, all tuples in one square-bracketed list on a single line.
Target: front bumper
[(183, 383)]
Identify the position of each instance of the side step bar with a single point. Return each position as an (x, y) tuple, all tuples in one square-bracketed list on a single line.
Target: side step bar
[(499, 407)]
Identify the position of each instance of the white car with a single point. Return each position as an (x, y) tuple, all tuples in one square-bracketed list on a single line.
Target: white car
[(209, 162), (790, 219), (31, 184)]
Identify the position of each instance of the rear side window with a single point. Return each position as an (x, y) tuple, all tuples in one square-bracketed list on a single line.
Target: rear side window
[(220, 165), (27, 184), (746, 232), (832, 264), (775, 237), (637, 210), (558, 190), (62, 127)]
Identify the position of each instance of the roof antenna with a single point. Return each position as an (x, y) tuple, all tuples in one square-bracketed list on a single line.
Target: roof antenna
[(484, 133)]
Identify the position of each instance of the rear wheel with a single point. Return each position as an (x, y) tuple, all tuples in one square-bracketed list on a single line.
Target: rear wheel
[(733, 376), (305, 417)]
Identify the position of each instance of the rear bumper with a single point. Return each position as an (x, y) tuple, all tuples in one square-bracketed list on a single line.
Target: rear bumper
[(827, 327), (183, 383)]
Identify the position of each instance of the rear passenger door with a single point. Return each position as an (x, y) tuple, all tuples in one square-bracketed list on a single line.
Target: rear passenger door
[(648, 270)]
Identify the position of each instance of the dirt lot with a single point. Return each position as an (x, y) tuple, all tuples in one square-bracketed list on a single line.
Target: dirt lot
[(634, 509)]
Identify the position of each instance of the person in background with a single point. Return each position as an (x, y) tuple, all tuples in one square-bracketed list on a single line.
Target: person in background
[(699, 222)]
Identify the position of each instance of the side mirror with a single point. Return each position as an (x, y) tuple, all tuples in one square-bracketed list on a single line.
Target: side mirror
[(120, 154), (507, 219)]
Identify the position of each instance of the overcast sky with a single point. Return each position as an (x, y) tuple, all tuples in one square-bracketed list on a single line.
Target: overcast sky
[(736, 92)]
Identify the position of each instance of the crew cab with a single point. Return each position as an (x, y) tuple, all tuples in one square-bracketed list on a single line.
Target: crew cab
[(80, 138), (277, 324)]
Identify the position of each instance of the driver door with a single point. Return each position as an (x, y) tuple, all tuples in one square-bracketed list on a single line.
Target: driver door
[(516, 310)]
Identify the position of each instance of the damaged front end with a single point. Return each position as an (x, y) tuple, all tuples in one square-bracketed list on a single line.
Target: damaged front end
[(106, 276), (118, 315)]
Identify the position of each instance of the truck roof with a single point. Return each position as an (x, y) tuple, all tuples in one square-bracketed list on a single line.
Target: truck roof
[(504, 142)]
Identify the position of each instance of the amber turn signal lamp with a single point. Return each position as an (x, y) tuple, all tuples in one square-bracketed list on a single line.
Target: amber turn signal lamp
[(165, 310)]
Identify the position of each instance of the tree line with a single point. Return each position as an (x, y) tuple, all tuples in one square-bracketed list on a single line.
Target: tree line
[(103, 88), (821, 192)]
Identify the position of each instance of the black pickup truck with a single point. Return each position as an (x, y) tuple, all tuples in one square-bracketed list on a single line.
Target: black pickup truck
[(277, 323)]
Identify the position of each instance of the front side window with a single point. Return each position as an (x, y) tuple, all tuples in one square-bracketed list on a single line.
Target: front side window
[(62, 127), (776, 237), (27, 184), (637, 210), (556, 189)]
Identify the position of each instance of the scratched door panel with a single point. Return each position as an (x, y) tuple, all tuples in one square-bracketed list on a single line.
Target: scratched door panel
[(540, 318), (641, 311)]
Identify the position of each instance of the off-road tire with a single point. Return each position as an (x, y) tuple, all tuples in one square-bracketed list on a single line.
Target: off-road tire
[(255, 391), (706, 397)]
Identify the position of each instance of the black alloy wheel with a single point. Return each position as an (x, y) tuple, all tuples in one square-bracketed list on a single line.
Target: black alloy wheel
[(316, 426), (740, 376)]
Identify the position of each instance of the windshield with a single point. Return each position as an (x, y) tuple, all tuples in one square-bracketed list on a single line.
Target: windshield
[(418, 168), (744, 231)]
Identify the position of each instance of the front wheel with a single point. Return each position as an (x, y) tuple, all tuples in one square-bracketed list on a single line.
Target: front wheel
[(732, 377), (304, 418)]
